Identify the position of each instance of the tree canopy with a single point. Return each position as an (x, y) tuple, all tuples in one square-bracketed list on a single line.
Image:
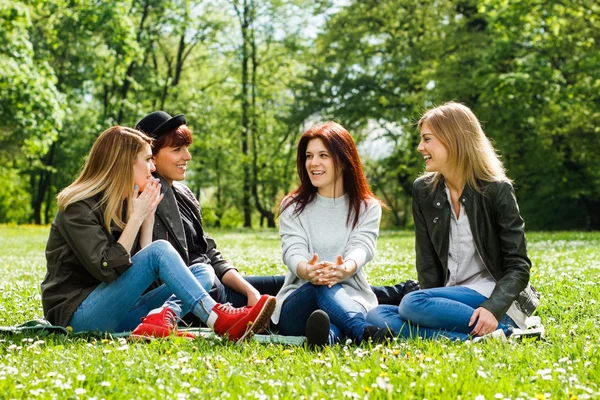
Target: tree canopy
[(252, 75)]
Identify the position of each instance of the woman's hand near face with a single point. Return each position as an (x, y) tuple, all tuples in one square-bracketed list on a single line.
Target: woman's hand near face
[(486, 322), (148, 224), (145, 203), (142, 216)]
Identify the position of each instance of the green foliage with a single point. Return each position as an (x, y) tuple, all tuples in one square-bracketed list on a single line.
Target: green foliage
[(528, 69), (30, 104), (565, 269), (13, 198), (254, 74)]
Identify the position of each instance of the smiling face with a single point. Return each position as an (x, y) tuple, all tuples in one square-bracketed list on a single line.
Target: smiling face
[(143, 167), (321, 169), (433, 151), (171, 162)]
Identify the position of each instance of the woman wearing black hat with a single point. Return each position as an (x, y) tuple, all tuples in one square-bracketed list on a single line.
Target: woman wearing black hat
[(179, 217)]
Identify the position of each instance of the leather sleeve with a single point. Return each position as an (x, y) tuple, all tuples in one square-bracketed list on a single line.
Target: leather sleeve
[(219, 264), (515, 264), (429, 267)]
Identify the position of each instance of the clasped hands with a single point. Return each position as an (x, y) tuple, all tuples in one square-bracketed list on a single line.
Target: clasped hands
[(327, 272)]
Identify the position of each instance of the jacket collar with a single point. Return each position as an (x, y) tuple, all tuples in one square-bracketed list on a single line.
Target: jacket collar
[(439, 197), (168, 211)]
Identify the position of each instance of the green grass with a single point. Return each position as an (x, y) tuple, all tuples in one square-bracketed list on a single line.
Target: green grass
[(566, 271)]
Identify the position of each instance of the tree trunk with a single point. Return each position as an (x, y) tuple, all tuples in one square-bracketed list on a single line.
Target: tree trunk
[(180, 60), (245, 22), (265, 214), (41, 185), (129, 74), (49, 200), (592, 206), (219, 208)]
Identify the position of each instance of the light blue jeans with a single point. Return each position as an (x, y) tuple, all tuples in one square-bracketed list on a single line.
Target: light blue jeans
[(430, 313), (347, 316), (119, 305)]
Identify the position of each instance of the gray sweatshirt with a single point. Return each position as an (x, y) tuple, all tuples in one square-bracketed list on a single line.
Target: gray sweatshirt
[(321, 228)]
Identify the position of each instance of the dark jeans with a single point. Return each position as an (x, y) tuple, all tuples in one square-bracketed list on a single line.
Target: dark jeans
[(264, 284), (272, 284), (347, 316)]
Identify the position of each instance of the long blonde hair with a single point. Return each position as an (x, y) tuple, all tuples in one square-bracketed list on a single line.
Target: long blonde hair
[(470, 152), (108, 170)]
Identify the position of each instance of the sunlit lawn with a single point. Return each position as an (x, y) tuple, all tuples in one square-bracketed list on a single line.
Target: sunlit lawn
[(566, 271)]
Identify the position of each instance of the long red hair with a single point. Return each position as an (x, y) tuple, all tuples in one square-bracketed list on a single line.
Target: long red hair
[(342, 149)]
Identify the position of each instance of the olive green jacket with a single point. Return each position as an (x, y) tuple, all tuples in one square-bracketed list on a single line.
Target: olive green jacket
[(498, 232), (80, 255)]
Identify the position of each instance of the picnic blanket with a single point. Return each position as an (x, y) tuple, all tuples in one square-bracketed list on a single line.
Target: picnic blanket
[(43, 327)]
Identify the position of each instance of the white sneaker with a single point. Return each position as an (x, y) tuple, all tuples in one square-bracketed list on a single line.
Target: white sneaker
[(498, 335), (531, 333)]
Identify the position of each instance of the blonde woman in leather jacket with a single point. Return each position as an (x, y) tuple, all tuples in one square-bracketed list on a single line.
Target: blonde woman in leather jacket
[(471, 255)]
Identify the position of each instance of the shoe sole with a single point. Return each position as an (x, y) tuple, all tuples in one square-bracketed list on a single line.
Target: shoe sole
[(529, 335), (149, 337), (262, 319), (317, 329)]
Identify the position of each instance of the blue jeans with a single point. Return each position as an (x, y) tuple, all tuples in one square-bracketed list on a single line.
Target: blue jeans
[(272, 285), (119, 305), (431, 313), (347, 316)]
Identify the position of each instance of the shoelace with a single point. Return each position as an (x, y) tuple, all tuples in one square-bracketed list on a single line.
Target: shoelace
[(171, 320), (228, 308), (174, 321)]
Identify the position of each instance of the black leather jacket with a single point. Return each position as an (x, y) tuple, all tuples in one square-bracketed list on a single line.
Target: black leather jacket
[(168, 226), (498, 232)]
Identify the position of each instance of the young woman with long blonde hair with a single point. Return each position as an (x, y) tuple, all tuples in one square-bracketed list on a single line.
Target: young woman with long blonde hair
[(472, 260), (96, 281)]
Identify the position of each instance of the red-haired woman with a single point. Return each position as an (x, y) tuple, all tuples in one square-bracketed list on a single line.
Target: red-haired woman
[(329, 227)]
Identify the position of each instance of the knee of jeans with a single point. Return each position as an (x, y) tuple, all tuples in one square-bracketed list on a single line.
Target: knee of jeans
[(324, 289), (376, 317), (382, 315), (411, 304), (161, 246), (205, 275)]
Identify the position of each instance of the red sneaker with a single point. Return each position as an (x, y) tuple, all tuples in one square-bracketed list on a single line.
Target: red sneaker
[(238, 323), (160, 323)]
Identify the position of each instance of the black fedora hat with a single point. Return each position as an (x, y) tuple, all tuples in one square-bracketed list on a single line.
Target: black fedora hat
[(159, 122)]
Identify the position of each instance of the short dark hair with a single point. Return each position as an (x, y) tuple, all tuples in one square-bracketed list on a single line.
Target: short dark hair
[(182, 136)]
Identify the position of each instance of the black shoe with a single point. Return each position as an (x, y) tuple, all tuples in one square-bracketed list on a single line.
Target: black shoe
[(377, 335), (317, 329), (393, 295)]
